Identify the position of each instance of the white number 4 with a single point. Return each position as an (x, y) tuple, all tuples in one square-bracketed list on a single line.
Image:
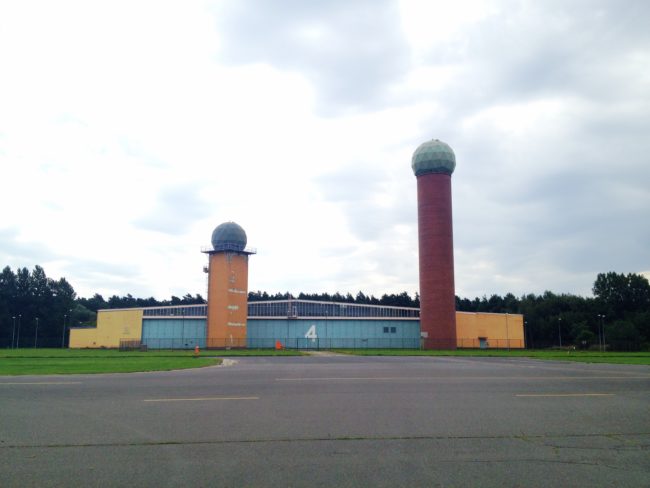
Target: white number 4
[(311, 333)]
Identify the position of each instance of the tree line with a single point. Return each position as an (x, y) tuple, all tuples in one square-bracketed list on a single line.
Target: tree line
[(37, 310), (618, 314)]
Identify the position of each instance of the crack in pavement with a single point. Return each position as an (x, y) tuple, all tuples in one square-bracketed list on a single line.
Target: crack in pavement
[(525, 438)]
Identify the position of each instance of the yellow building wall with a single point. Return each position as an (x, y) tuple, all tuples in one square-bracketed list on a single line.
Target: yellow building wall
[(498, 329), (112, 325), (227, 300)]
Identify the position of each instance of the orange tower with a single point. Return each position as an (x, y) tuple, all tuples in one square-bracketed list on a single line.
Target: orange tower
[(227, 287)]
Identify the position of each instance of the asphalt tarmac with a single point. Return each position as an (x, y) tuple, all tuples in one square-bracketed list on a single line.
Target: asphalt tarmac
[(332, 421)]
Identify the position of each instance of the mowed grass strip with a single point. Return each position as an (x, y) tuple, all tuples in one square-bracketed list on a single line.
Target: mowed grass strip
[(86, 361), (114, 353), (642, 358)]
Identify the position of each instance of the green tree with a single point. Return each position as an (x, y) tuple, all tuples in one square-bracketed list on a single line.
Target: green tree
[(622, 294)]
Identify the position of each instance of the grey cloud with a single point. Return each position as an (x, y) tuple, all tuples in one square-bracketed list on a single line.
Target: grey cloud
[(389, 256), (584, 222), (176, 209), (29, 254), (356, 189), (581, 49), (353, 184), (22, 254), (81, 273), (89, 268), (357, 52)]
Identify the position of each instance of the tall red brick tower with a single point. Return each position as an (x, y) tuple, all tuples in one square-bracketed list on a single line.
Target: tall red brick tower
[(433, 163)]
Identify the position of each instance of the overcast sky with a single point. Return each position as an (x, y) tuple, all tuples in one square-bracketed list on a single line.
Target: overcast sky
[(130, 129)]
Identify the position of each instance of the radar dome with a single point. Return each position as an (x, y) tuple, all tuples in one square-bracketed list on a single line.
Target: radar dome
[(229, 236), (433, 156)]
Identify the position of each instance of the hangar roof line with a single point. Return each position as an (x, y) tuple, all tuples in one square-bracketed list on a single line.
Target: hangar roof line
[(292, 308)]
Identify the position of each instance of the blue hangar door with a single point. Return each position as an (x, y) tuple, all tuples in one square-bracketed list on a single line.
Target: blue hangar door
[(174, 333)]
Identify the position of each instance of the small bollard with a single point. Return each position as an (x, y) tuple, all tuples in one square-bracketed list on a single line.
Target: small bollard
[(196, 351)]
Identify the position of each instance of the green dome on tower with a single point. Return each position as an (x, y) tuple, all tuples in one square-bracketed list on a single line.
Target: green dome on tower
[(433, 156), (229, 236)]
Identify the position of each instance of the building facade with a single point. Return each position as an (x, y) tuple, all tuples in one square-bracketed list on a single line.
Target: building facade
[(296, 324)]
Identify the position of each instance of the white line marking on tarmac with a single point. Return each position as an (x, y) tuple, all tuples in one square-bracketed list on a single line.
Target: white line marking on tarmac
[(381, 378), (200, 399), (43, 383), (564, 394), (460, 378)]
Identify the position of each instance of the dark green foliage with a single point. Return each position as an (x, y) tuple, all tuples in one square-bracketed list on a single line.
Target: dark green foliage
[(27, 296), (622, 294), (33, 308)]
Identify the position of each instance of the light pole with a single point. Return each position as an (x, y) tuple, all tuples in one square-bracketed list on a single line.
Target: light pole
[(507, 333), (602, 327), (326, 325), (63, 333), (18, 334), (172, 340), (13, 332), (559, 330), (36, 333), (183, 332), (526, 335)]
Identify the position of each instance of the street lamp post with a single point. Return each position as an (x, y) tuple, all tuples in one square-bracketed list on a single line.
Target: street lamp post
[(18, 333), (507, 333), (326, 335), (600, 337), (36, 333), (559, 330), (602, 326), (183, 342), (527, 343), (63, 333), (13, 332)]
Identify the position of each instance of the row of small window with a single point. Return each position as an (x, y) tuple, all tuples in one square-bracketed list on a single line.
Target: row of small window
[(390, 330), (196, 311), (297, 308)]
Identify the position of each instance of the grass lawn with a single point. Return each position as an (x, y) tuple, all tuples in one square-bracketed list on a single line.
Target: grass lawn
[(579, 356), (82, 361)]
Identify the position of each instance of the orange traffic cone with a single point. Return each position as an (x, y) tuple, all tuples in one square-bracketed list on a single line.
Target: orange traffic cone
[(196, 351), (278, 345)]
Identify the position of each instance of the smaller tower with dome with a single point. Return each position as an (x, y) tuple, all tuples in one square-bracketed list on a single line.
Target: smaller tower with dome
[(227, 286)]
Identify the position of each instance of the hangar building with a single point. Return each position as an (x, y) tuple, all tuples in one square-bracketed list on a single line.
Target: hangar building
[(300, 324)]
